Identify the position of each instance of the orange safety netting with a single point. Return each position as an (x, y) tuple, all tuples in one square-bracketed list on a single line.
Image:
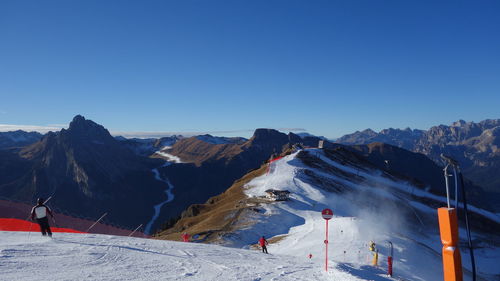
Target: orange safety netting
[(22, 225)]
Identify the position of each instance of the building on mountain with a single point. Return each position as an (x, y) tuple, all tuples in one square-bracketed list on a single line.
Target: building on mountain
[(278, 195)]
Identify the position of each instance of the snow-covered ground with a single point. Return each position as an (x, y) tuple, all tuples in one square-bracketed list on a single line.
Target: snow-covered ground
[(169, 157), (103, 257), (301, 229)]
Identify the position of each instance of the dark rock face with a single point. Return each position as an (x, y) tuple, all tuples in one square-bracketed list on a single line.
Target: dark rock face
[(87, 172), (474, 145), (19, 138)]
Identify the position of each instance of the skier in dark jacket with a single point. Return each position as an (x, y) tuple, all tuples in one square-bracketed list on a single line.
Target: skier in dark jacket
[(263, 242), (40, 212)]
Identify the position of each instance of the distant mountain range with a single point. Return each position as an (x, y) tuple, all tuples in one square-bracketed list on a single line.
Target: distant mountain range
[(88, 172), (18, 139), (475, 145)]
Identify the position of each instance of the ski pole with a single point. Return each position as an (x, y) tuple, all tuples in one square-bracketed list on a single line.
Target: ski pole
[(29, 232), (55, 223)]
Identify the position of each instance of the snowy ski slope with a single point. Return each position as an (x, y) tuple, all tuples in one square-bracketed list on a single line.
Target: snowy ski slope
[(377, 208), (103, 257), (362, 213)]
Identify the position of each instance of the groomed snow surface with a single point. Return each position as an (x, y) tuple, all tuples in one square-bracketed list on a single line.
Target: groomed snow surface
[(67, 256)]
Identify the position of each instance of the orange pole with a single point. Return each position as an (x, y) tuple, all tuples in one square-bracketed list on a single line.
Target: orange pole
[(448, 228)]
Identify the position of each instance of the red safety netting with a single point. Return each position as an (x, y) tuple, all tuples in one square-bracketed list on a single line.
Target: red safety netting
[(276, 159), (271, 162), (22, 225)]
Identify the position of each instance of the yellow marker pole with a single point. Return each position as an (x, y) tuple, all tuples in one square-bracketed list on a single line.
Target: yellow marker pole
[(375, 259)]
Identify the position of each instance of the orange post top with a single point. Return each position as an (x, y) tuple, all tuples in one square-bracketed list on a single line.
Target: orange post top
[(448, 226)]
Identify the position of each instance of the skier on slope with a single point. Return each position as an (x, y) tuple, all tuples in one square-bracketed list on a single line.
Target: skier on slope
[(263, 242), (40, 212), (185, 237)]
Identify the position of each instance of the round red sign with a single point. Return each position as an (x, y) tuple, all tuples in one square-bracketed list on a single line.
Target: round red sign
[(327, 214)]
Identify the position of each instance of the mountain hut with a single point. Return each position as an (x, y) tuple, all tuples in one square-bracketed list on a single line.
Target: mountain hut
[(278, 195)]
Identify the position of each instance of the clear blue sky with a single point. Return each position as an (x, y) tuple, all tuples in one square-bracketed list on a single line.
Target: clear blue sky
[(330, 67)]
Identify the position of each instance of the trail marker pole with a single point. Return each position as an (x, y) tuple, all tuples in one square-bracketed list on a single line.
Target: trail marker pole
[(389, 259), (327, 214)]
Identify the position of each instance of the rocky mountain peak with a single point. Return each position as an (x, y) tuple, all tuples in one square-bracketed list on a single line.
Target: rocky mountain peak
[(262, 135), (82, 128), (369, 132), (459, 123)]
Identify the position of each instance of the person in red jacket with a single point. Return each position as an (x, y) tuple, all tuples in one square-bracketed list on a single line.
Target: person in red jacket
[(185, 237), (263, 242), (40, 212)]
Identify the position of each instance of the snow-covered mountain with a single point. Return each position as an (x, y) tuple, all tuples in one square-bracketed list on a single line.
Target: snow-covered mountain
[(368, 203)]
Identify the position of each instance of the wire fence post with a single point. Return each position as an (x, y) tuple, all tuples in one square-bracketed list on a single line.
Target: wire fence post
[(96, 222), (135, 230)]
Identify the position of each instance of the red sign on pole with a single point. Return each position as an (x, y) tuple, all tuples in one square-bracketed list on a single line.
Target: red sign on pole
[(326, 214)]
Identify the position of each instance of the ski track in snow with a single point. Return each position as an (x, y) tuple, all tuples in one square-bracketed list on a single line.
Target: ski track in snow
[(157, 207), (102, 257), (105, 257)]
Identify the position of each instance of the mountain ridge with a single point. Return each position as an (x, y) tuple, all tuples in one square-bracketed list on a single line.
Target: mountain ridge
[(475, 145), (87, 172)]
